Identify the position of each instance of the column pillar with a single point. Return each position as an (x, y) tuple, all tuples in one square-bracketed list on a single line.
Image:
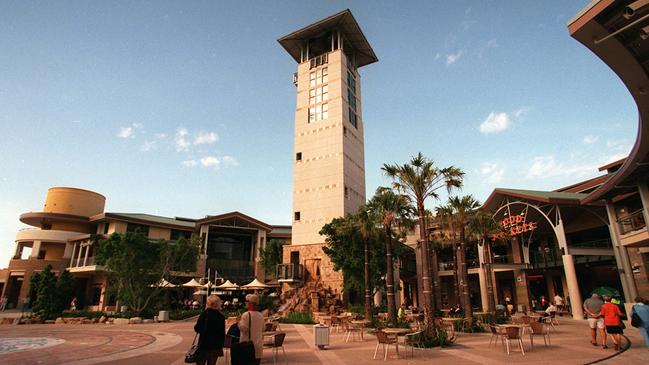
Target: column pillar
[(81, 248), (69, 248), (521, 288), (19, 250), (74, 252), (644, 197), (36, 248), (85, 258), (621, 256), (484, 296), (573, 286)]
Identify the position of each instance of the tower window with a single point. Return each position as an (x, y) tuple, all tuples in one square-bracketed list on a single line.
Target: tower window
[(296, 216), (298, 156), (352, 118), (318, 112)]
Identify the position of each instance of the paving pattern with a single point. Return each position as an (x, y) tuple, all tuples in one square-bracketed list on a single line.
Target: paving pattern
[(166, 344)]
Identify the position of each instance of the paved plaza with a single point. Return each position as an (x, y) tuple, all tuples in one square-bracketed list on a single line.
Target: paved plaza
[(166, 343)]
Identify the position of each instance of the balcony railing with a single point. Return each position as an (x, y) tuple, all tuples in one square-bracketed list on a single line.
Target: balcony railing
[(631, 222), (603, 243), (90, 261), (319, 60), (503, 259), (290, 272)]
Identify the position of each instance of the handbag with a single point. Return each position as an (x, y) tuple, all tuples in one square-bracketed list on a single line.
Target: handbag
[(192, 353), (243, 353), (636, 321)]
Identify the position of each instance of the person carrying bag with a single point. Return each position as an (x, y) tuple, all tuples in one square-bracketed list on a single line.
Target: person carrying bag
[(211, 327), (250, 348)]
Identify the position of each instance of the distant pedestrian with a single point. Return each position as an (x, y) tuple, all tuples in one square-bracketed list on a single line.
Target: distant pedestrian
[(593, 307), (544, 302), (612, 320), (509, 305), (73, 304), (558, 301), (25, 307), (641, 309)]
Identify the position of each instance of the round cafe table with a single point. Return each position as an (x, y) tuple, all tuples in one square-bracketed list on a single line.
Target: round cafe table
[(396, 332), (362, 323)]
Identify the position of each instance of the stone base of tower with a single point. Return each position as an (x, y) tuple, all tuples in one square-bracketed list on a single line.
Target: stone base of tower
[(317, 266)]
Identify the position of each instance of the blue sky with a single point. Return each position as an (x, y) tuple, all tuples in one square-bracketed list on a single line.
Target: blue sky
[(186, 108)]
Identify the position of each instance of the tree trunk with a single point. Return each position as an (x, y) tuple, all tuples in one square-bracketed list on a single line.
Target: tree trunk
[(456, 278), (368, 289), (464, 282), (426, 282), (490, 286), (389, 278)]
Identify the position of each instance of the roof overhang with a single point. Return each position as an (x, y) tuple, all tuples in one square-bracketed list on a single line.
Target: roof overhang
[(616, 40), (36, 219), (231, 219), (343, 21), (494, 200), (125, 218)]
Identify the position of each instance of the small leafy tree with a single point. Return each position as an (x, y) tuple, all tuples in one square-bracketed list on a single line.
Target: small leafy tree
[(135, 264), (44, 289), (64, 290), (271, 255)]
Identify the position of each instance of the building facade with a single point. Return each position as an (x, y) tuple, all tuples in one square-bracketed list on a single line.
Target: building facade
[(329, 161), (73, 223)]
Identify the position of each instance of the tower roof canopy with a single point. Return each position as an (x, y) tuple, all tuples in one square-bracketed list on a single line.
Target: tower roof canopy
[(343, 21)]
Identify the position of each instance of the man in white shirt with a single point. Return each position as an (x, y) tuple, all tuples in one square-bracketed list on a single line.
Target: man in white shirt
[(558, 301)]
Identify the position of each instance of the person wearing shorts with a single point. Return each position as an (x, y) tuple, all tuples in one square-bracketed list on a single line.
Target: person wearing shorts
[(593, 307), (612, 319)]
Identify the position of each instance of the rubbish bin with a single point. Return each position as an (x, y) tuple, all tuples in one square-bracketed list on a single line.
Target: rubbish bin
[(321, 334), (163, 316)]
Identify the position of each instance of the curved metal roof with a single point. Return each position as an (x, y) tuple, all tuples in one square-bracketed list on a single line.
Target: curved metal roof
[(619, 42)]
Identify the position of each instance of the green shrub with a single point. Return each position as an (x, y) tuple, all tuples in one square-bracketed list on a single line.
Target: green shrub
[(298, 318), (440, 338), (358, 309), (180, 314)]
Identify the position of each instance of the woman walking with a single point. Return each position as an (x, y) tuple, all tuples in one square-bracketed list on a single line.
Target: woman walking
[(211, 329), (612, 321), (641, 309)]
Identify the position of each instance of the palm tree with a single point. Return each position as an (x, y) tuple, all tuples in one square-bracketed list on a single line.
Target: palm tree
[(463, 209), (484, 226), (420, 180), (444, 215), (366, 223), (392, 208)]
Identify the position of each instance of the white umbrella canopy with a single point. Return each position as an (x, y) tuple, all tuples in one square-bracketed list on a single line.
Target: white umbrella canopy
[(200, 292), (192, 284), (227, 285), (208, 285), (254, 285), (163, 284)]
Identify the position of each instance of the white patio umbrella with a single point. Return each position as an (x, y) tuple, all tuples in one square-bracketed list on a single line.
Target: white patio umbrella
[(255, 285), (228, 285), (163, 284), (193, 284)]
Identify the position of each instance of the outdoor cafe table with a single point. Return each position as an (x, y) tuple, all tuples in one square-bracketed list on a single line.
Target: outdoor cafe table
[(396, 332), (524, 327), (361, 323)]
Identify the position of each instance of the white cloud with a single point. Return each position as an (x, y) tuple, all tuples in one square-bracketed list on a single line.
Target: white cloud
[(453, 57), (495, 123), (189, 163), (205, 138), (547, 166), (125, 132), (589, 139), (161, 135), (230, 161), (210, 161), (182, 144), (520, 112), (491, 173), (148, 146), (137, 125)]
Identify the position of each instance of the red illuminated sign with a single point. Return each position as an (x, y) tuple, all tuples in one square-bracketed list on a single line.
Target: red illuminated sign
[(516, 226)]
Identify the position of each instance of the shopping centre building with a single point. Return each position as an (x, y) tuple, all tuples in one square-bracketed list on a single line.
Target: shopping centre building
[(566, 241), (66, 233)]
